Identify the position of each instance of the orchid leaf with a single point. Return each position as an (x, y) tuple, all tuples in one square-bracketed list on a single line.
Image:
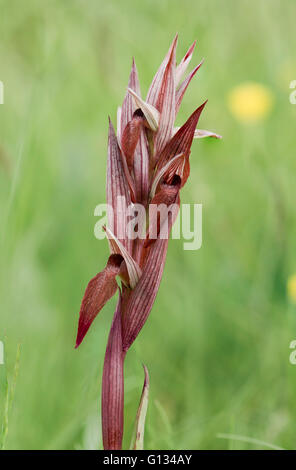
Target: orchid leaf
[(138, 437), (113, 386), (141, 299)]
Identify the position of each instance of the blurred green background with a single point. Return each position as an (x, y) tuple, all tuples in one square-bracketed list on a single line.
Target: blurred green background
[(217, 341)]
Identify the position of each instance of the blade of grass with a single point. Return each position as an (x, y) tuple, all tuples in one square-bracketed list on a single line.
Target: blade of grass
[(251, 440), (9, 395)]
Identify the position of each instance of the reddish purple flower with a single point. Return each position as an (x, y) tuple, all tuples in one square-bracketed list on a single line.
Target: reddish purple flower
[(148, 164)]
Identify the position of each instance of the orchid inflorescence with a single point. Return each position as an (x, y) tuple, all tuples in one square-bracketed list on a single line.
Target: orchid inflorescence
[(148, 164)]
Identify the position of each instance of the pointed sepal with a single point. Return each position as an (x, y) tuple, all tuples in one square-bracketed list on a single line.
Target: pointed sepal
[(184, 85), (154, 90), (118, 190), (128, 106), (182, 140), (166, 104), (182, 66)]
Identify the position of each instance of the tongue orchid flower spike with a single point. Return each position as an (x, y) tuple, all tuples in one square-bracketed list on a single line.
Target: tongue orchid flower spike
[(148, 164)]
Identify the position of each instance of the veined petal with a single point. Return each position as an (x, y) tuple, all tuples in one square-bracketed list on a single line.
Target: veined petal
[(149, 111), (118, 190), (141, 299), (118, 127), (138, 440), (163, 210), (182, 140), (160, 174), (134, 270), (184, 85), (181, 68), (130, 138), (152, 95), (166, 104), (177, 168), (167, 193), (99, 290), (128, 106), (113, 386), (141, 168), (200, 134)]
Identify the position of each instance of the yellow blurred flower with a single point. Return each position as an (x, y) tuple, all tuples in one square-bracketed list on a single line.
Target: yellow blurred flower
[(291, 287), (250, 101)]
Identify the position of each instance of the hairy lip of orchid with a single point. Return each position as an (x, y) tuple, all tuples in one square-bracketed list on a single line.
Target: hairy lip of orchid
[(148, 164)]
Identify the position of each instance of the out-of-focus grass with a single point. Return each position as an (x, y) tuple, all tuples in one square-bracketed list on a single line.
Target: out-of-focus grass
[(217, 341)]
